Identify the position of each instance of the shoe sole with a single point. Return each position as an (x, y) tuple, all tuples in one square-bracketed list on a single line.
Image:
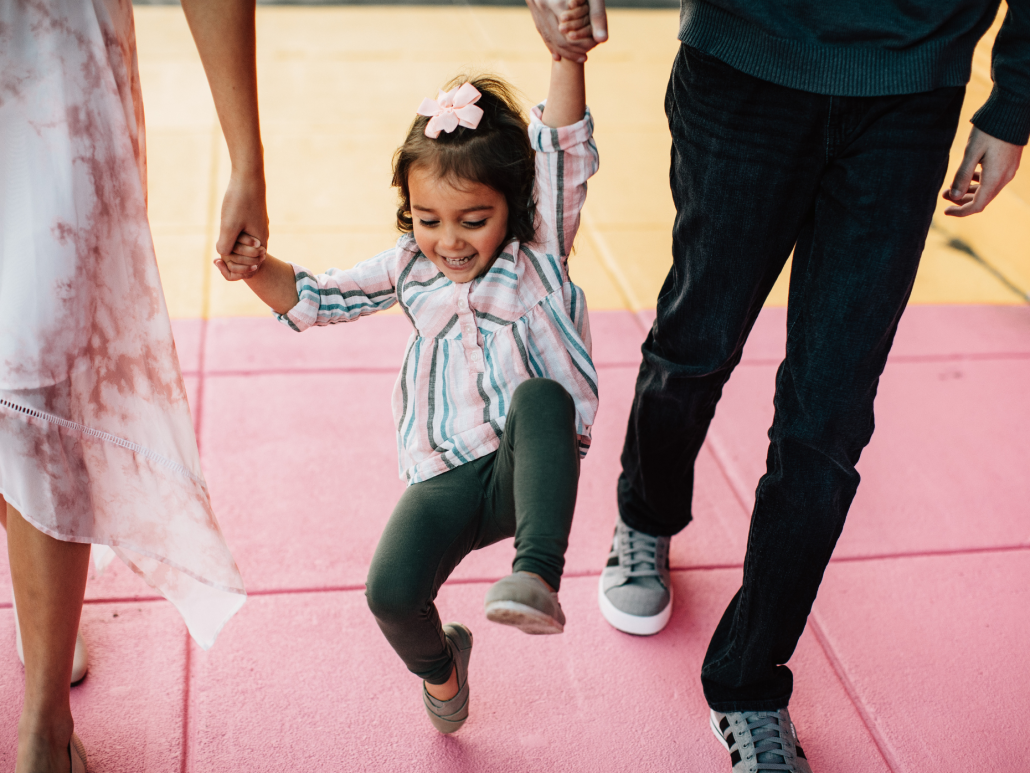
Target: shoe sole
[(715, 729), (524, 617), (448, 725), (634, 624)]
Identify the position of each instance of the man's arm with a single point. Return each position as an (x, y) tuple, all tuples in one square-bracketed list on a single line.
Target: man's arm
[(224, 33), (972, 189), (1001, 127)]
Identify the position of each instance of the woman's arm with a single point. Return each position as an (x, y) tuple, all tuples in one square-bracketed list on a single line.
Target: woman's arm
[(566, 97), (224, 33)]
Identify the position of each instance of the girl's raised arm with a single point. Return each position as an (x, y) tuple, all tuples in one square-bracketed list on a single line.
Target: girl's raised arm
[(566, 97), (224, 33)]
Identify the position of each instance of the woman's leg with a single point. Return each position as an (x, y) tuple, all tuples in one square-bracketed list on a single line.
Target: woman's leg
[(49, 578)]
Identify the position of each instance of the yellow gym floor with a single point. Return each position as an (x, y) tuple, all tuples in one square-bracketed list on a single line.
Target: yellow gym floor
[(338, 88)]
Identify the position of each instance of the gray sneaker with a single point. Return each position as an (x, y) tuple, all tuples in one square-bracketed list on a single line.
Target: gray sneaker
[(522, 600), (635, 593), (448, 716), (760, 741)]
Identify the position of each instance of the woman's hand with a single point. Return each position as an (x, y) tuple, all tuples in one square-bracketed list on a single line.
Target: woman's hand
[(244, 259), (244, 214)]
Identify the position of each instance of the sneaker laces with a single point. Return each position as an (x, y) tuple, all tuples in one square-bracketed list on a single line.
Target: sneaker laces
[(638, 553), (771, 749)]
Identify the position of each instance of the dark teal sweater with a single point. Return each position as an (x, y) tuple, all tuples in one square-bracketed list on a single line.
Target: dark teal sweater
[(872, 48)]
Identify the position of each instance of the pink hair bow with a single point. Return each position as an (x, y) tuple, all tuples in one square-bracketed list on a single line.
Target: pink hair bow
[(452, 109)]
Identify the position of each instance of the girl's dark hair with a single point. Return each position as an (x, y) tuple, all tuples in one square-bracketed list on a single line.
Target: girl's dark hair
[(497, 154)]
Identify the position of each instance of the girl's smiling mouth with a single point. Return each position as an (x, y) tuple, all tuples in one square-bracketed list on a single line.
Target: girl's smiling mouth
[(458, 262)]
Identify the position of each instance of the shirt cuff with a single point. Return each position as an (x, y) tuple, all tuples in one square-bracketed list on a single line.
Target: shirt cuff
[(305, 313), (545, 139), (1005, 118)]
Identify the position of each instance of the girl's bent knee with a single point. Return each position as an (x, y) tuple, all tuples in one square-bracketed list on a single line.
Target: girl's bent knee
[(543, 393), (391, 602)]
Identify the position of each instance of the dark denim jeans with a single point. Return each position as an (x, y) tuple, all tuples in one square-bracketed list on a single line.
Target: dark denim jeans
[(848, 183)]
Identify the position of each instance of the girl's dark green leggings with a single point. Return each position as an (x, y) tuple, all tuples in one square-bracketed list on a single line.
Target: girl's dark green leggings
[(526, 489)]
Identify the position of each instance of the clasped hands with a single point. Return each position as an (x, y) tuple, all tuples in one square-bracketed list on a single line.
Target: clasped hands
[(569, 28)]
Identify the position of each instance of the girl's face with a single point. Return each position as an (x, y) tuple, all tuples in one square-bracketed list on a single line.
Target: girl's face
[(460, 229)]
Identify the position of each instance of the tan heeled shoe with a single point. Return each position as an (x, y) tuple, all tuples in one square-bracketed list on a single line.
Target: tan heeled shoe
[(77, 753), (80, 663)]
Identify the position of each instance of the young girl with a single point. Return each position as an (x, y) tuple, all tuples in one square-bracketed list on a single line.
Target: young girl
[(497, 392)]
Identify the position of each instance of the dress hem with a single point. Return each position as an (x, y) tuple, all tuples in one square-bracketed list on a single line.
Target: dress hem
[(114, 545)]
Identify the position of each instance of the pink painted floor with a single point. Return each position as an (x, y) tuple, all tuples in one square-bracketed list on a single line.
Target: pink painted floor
[(914, 658)]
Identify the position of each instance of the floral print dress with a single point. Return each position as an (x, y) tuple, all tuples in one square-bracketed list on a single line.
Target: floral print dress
[(96, 439)]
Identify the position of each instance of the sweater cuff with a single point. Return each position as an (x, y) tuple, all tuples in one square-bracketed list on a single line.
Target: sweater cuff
[(1004, 118), (304, 314), (544, 139)]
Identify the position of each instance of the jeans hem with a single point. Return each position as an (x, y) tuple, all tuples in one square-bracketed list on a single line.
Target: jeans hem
[(770, 704), (649, 528)]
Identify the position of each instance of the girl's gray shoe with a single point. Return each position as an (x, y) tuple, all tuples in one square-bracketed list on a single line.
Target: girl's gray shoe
[(522, 600), (448, 716), (760, 741)]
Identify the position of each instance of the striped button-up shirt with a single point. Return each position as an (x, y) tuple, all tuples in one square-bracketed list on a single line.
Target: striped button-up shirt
[(474, 343)]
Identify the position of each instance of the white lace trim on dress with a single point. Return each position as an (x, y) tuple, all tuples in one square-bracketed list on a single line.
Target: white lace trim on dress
[(101, 435)]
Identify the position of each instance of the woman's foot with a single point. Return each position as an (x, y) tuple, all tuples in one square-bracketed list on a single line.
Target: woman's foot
[(45, 753), (525, 601), (450, 714), (77, 752)]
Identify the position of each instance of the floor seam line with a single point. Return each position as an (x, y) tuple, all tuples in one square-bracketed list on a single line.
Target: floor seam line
[(205, 303), (933, 553), (849, 689), (341, 370), (713, 445), (611, 266), (757, 363), (571, 575), (184, 763)]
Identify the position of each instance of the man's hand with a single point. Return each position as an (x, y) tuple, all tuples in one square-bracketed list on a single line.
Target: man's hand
[(574, 21), (243, 214), (546, 16), (580, 19), (972, 189)]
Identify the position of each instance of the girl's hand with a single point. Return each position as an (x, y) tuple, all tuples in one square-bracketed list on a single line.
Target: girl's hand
[(246, 258), (574, 21)]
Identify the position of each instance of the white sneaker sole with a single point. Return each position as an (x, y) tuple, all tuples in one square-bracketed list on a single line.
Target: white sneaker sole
[(521, 616), (627, 623), (716, 730)]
